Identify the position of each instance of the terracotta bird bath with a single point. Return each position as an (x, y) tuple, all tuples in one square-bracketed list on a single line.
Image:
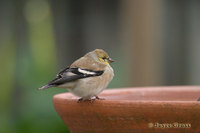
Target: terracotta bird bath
[(173, 109)]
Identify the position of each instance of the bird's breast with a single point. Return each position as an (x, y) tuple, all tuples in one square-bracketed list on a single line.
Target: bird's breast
[(91, 86)]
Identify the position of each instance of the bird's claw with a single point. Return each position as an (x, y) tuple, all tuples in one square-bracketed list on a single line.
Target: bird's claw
[(98, 98), (91, 100), (84, 100)]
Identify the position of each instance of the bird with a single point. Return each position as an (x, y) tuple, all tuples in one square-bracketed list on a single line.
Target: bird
[(86, 77)]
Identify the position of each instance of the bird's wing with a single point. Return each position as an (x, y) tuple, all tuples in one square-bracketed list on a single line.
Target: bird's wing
[(71, 74)]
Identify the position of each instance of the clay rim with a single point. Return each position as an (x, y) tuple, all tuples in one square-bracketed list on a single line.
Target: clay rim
[(112, 95)]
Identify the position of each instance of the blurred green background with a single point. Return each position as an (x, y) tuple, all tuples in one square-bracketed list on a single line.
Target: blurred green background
[(154, 42)]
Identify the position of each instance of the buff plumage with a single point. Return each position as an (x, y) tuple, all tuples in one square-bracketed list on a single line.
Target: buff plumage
[(86, 77)]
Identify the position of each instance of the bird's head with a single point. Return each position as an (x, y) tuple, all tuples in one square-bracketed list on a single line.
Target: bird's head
[(103, 56)]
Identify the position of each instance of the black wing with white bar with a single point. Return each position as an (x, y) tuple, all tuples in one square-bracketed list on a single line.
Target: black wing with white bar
[(72, 74)]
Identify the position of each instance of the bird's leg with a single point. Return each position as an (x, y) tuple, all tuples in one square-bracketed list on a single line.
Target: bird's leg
[(91, 100), (98, 98), (84, 100), (80, 100)]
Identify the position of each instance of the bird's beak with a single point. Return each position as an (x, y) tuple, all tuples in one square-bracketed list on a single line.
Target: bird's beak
[(110, 60)]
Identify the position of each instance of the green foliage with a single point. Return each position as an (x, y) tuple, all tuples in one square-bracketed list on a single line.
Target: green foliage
[(24, 68)]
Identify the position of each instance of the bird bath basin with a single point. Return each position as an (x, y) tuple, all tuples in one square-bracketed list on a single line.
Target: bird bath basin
[(140, 110)]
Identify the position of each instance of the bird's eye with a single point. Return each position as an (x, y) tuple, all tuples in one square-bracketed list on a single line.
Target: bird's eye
[(104, 58)]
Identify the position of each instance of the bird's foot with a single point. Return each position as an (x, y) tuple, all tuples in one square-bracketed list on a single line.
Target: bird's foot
[(84, 100), (98, 98), (91, 100)]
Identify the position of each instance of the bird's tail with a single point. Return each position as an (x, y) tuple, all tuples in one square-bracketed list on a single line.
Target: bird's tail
[(45, 87)]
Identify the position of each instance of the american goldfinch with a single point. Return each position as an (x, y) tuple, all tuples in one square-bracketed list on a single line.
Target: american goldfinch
[(86, 77)]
